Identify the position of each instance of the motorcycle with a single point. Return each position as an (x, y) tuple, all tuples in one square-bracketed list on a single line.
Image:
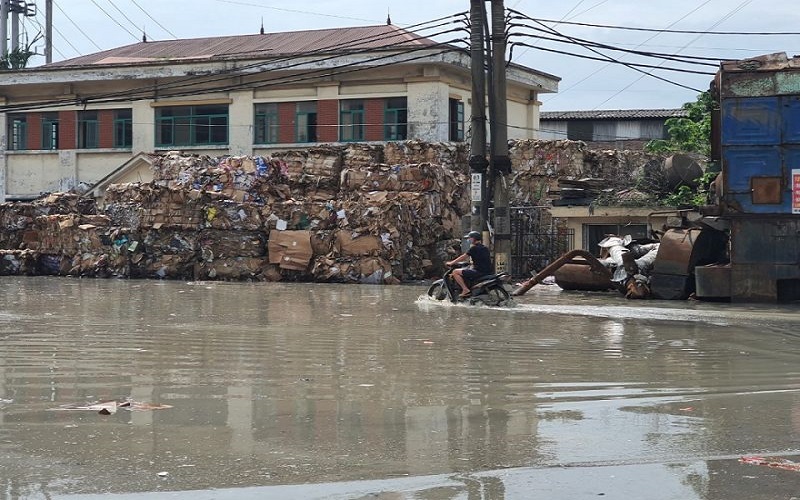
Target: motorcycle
[(489, 290)]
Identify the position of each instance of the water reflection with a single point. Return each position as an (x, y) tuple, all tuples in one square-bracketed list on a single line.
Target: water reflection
[(286, 384)]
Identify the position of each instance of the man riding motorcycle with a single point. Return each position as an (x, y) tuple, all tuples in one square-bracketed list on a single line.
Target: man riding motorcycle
[(481, 263)]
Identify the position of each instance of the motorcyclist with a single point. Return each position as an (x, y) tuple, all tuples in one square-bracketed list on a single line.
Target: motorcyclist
[(481, 263)]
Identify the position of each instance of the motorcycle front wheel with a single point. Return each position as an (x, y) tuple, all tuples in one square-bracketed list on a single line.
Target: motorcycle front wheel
[(437, 291)]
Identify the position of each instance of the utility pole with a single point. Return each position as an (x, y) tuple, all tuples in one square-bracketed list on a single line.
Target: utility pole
[(500, 161), (477, 155), (14, 29), (4, 25), (48, 31)]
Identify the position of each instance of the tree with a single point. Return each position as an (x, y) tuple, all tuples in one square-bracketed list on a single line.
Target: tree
[(689, 134)]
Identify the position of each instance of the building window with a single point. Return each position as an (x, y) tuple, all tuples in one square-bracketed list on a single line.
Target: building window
[(50, 131), (266, 124), (123, 128), (351, 120), (456, 120), (580, 130), (395, 119), (88, 130), (306, 119), (17, 132), (192, 125)]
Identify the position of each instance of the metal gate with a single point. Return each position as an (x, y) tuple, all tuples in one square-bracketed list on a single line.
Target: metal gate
[(537, 239)]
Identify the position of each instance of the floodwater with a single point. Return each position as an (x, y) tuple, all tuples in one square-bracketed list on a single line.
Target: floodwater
[(365, 392)]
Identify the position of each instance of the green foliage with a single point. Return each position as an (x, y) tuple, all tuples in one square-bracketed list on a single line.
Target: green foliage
[(19, 57), (690, 134), (686, 196)]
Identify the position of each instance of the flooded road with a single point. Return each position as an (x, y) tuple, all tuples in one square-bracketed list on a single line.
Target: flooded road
[(337, 392)]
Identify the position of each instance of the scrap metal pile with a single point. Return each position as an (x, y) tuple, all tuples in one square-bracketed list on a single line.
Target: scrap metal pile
[(305, 215)]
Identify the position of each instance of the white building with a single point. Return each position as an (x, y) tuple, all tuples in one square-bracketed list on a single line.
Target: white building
[(77, 120)]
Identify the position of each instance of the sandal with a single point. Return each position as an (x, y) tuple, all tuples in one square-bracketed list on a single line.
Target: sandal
[(465, 295)]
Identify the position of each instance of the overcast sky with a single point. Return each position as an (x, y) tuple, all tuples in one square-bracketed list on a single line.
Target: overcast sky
[(86, 26)]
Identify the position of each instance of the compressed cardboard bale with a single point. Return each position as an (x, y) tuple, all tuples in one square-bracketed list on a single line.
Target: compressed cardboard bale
[(359, 155), (18, 262), (216, 244), (166, 266), (233, 269), (349, 244), (322, 242), (290, 249), (170, 241)]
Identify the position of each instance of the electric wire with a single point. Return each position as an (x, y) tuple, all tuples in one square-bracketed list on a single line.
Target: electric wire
[(629, 64), (580, 2), (684, 32), (295, 11), (134, 2), (724, 18), (275, 81), (42, 30), (124, 15), (293, 58), (77, 27), (686, 59), (115, 20), (609, 58)]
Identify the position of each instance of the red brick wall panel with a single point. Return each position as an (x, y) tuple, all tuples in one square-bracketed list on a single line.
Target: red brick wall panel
[(374, 116), (328, 120), (67, 130), (105, 117), (34, 123), (287, 112)]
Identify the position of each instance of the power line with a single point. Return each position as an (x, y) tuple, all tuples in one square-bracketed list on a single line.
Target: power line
[(247, 4), (685, 59), (629, 64), (41, 28), (114, 19), (124, 15), (78, 28), (684, 32), (293, 58), (609, 58), (722, 20), (561, 93), (562, 18), (154, 19)]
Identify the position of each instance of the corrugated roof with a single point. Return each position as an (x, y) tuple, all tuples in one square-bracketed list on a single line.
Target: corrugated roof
[(613, 114), (254, 46)]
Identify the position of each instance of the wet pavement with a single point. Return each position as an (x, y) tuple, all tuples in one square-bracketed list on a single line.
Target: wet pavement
[(315, 391)]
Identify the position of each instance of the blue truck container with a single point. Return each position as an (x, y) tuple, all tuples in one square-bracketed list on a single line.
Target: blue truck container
[(759, 150)]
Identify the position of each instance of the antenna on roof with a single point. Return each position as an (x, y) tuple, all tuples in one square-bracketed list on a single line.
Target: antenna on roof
[(388, 17), (144, 35), (262, 25)]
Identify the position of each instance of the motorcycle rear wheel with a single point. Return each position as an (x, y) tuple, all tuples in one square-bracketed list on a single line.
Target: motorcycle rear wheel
[(497, 296)]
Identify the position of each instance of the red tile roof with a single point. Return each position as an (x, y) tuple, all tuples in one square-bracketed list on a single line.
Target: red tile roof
[(254, 46)]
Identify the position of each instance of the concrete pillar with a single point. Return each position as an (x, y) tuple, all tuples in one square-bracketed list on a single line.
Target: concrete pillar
[(428, 111), (67, 169), (143, 127), (240, 124)]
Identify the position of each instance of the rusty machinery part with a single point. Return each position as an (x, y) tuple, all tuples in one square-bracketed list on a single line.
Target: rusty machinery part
[(681, 250), (595, 265), (579, 275)]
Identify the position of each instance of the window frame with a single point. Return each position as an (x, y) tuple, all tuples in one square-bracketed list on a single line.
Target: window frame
[(88, 124), (352, 126), (304, 118), (266, 125), (395, 128), (123, 129), (187, 121), (50, 131), (17, 132), (455, 132)]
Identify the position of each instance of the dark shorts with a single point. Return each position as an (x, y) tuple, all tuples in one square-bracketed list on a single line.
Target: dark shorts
[(471, 276)]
